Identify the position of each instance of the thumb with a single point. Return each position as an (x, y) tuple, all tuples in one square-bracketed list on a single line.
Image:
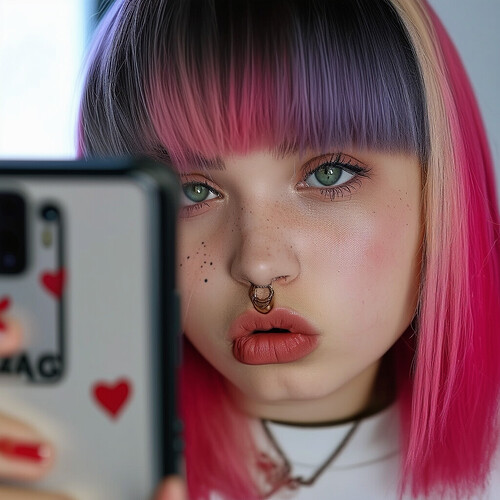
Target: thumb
[(11, 335), (172, 488)]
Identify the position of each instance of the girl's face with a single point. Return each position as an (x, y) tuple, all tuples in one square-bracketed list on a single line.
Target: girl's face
[(339, 237)]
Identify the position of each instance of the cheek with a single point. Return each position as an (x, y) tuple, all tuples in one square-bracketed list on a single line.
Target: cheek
[(369, 267), (197, 268), (390, 273), (203, 285)]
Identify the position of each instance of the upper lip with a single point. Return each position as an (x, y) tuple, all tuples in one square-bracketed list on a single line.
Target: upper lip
[(286, 319)]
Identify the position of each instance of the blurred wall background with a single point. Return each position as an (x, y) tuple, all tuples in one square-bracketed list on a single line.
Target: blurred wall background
[(42, 45), (473, 26)]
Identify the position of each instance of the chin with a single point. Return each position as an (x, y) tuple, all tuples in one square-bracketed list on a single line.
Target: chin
[(275, 387)]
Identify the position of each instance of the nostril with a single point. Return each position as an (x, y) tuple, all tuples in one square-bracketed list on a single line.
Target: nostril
[(280, 278)]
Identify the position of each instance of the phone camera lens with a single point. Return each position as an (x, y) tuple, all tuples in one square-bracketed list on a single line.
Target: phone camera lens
[(9, 261), (49, 213), (9, 250), (12, 233)]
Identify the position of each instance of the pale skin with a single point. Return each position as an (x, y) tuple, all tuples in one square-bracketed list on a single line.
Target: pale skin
[(345, 256), (349, 265)]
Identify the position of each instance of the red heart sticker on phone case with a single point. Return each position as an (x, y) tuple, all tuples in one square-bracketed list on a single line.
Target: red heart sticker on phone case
[(112, 397), (54, 282)]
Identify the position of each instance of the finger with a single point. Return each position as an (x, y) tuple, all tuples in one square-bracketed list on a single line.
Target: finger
[(24, 453), (11, 337), (10, 493), (172, 488)]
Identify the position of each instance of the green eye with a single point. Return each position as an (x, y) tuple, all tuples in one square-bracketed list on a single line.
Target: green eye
[(196, 192), (328, 175)]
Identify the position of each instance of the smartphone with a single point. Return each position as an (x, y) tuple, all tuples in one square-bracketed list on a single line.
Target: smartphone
[(87, 264)]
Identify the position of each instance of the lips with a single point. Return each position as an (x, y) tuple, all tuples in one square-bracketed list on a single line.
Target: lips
[(282, 336)]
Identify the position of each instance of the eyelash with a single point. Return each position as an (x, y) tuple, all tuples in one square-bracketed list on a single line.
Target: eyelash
[(339, 160), (345, 163)]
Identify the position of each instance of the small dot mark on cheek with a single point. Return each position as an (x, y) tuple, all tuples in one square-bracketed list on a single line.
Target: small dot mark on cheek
[(206, 281)]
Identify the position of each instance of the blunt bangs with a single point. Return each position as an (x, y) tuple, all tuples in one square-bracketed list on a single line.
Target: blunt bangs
[(221, 77)]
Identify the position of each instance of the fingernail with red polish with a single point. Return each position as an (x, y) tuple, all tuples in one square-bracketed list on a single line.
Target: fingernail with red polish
[(4, 303), (31, 452)]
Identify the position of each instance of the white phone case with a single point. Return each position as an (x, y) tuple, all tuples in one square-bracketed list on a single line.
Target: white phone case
[(99, 309)]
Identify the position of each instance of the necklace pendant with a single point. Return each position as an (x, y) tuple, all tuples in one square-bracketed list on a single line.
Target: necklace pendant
[(294, 483)]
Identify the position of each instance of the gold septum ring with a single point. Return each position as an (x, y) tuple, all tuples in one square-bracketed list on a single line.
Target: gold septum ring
[(262, 304)]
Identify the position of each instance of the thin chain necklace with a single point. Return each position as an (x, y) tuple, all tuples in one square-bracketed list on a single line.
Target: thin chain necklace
[(285, 479)]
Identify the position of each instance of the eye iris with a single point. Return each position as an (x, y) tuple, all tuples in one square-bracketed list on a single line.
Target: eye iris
[(328, 175), (196, 192)]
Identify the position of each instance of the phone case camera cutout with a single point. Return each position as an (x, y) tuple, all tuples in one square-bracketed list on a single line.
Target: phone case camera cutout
[(33, 275)]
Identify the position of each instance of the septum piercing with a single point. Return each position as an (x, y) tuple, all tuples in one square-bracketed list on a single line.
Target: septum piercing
[(265, 304)]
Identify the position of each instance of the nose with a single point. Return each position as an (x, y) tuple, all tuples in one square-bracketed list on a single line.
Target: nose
[(264, 251)]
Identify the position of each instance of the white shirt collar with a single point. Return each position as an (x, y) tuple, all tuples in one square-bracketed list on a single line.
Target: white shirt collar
[(307, 448)]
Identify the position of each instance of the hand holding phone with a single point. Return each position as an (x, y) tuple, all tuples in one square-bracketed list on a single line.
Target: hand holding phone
[(25, 455), (24, 468), (90, 273)]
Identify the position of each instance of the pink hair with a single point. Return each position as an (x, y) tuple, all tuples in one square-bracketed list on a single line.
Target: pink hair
[(451, 420), (218, 435)]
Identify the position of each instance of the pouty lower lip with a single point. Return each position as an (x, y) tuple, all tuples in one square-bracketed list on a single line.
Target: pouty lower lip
[(280, 337), (271, 348)]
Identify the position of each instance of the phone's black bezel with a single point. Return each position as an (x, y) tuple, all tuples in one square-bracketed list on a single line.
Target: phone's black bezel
[(169, 342)]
